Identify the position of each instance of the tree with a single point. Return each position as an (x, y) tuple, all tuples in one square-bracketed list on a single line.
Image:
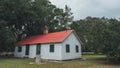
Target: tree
[(83, 28), (62, 19), (7, 39), (28, 17), (95, 37), (104, 37)]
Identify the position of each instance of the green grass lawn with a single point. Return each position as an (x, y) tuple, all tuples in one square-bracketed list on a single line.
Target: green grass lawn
[(92, 61)]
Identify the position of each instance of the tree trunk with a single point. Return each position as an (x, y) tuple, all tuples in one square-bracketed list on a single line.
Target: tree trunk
[(38, 59)]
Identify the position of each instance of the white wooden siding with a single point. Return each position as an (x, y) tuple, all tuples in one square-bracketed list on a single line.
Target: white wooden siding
[(32, 51), (19, 54), (46, 54), (72, 41)]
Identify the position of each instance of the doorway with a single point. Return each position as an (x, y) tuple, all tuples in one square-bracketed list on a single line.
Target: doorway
[(38, 49), (27, 49)]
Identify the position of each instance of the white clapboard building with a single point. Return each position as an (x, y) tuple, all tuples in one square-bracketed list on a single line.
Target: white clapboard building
[(62, 45)]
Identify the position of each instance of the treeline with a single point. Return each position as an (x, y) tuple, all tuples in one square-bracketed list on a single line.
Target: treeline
[(23, 18), (100, 35)]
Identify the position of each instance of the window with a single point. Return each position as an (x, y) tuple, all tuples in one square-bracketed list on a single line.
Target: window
[(52, 48), (19, 49), (77, 48), (67, 48)]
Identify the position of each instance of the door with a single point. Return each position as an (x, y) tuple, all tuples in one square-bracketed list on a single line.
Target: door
[(38, 49), (27, 49)]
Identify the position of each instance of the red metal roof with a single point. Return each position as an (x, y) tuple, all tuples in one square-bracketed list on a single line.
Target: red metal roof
[(46, 38)]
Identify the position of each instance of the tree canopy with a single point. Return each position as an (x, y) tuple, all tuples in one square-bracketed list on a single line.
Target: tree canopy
[(25, 18), (100, 35)]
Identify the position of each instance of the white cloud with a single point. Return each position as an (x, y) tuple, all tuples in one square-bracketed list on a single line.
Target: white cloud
[(96, 8)]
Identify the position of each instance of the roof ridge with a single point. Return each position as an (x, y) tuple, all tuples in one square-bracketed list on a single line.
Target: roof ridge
[(59, 31)]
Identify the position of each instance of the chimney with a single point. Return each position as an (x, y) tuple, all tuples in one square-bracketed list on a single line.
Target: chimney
[(45, 30)]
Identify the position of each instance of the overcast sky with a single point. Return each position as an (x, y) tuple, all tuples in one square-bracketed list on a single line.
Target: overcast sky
[(94, 8)]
